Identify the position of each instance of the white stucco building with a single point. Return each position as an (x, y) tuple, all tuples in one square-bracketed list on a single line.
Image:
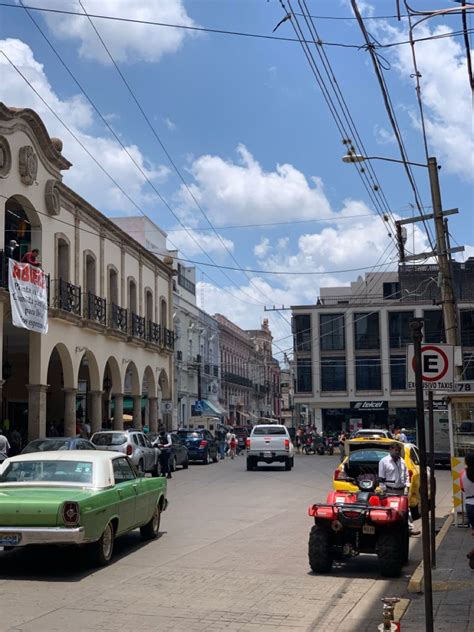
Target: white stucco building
[(110, 343)]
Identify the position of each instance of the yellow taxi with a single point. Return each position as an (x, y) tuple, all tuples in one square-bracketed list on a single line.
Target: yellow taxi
[(363, 455)]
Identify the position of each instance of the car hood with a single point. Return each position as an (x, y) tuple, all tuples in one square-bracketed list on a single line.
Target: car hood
[(33, 506)]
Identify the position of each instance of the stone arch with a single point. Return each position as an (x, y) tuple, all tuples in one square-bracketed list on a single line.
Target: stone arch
[(22, 225), (164, 385), (112, 387), (151, 402), (112, 368), (150, 380), (94, 373), (61, 396), (135, 385), (67, 365)]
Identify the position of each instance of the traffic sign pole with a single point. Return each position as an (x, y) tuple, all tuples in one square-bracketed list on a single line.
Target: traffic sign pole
[(416, 332), (432, 481)]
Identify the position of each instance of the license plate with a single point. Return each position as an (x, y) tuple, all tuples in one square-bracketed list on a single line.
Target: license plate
[(267, 455), (10, 539), (368, 529)]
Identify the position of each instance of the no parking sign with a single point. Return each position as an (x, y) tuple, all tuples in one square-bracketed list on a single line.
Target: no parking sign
[(437, 367)]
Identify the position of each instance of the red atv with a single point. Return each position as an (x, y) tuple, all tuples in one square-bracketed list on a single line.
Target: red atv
[(366, 521)]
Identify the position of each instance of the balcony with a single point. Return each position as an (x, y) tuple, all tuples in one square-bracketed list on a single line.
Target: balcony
[(153, 332), (185, 283), (234, 378), (118, 318), (137, 326), (67, 297), (167, 339), (95, 308)]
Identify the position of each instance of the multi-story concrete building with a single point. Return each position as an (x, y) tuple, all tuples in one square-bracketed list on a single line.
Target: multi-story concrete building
[(196, 368), (350, 348), (287, 414), (110, 325)]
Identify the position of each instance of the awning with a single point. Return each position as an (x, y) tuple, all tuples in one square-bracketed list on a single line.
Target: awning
[(128, 404), (212, 407)]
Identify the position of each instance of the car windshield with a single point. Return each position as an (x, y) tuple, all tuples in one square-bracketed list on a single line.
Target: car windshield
[(109, 438), (45, 445), (48, 472), (269, 430), (242, 432), (365, 456)]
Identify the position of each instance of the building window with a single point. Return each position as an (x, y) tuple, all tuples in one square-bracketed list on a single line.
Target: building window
[(467, 327), (398, 373), (391, 291), (163, 313), (63, 259), (433, 327), (331, 332), (368, 374), (149, 305), (89, 273), (366, 331), (399, 328), (304, 375), (132, 296), (468, 366), (113, 286), (302, 329), (333, 374)]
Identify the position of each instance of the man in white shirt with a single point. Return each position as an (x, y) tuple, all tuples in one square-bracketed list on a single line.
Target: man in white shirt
[(4, 444), (403, 436), (393, 475)]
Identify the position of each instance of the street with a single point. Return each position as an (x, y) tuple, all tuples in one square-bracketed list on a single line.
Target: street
[(232, 555)]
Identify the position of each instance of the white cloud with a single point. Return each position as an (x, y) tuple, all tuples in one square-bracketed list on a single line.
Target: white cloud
[(238, 191), (262, 248), (194, 242), (169, 124), (383, 136), (445, 92), (84, 176), (126, 41)]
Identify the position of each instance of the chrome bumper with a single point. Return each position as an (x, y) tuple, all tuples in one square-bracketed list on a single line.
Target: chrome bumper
[(45, 535)]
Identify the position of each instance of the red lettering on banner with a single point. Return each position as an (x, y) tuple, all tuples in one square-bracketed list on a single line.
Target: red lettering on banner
[(16, 271), (25, 274)]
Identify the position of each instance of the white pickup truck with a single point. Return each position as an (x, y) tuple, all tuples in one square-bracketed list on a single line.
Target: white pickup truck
[(270, 443)]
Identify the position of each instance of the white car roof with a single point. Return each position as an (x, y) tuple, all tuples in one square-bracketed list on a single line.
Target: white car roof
[(102, 472)]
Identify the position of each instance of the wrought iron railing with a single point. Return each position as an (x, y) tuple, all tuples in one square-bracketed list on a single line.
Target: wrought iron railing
[(118, 318), (168, 338), (153, 332), (95, 308), (68, 297), (137, 326)]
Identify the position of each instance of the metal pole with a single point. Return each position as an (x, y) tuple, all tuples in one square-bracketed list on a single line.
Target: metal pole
[(432, 480), (447, 291), (416, 332)]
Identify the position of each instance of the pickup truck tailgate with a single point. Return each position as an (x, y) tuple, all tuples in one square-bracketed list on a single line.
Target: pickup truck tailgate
[(268, 443)]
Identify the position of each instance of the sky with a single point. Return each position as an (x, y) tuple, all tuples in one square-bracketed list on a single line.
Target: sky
[(228, 143)]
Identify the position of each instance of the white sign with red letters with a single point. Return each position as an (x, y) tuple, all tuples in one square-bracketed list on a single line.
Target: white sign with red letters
[(437, 367), (28, 296)]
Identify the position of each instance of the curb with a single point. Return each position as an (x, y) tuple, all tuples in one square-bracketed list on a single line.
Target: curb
[(415, 585)]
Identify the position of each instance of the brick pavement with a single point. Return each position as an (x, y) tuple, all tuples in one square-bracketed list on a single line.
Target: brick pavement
[(453, 588)]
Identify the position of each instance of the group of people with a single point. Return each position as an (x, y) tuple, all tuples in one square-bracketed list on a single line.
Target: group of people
[(227, 442)]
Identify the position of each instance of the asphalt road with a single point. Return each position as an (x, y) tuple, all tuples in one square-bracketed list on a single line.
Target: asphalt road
[(232, 555)]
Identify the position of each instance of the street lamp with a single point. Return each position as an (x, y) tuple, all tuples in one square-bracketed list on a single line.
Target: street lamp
[(353, 157)]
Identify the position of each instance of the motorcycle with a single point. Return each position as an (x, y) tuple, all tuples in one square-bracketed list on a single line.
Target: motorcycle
[(308, 446), (326, 446), (367, 521)]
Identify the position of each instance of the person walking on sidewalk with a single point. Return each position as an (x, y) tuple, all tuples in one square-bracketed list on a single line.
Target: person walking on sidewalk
[(393, 476), (232, 445), (467, 485)]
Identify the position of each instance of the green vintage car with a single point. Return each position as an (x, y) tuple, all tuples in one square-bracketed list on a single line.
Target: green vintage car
[(77, 497)]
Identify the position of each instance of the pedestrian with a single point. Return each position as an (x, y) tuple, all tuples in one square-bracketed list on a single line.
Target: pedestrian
[(51, 431), (342, 444), (165, 444), (4, 444), (299, 439), (220, 436), (467, 485), (228, 437), (31, 257), (15, 442), (232, 446), (393, 477), (403, 436)]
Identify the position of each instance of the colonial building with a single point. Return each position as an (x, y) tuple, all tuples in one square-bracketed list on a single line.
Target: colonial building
[(265, 374), (196, 374), (287, 396), (109, 345), (351, 346)]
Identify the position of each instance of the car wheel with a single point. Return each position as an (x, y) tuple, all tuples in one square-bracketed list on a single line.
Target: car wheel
[(103, 549), (320, 550), (150, 530), (251, 463), (215, 458), (292, 461), (206, 460), (288, 464), (173, 464), (186, 464)]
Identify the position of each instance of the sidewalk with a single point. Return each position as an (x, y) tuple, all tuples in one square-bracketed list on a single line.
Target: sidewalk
[(453, 588)]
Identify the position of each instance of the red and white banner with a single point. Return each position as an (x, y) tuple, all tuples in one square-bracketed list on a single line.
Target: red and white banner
[(28, 296)]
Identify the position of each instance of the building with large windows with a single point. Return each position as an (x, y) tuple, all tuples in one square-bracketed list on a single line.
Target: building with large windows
[(108, 351), (351, 346)]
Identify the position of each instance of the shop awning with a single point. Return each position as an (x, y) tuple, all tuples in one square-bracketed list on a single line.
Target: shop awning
[(128, 404), (212, 408)]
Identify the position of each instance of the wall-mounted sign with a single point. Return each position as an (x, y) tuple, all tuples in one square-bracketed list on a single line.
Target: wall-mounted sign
[(166, 406), (28, 296), (437, 367), (369, 405)]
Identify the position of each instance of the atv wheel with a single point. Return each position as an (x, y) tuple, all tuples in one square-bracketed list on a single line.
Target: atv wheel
[(390, 551), (319, 550)]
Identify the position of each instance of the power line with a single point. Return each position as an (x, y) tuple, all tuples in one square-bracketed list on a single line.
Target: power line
[(177, 171), (212, 30)]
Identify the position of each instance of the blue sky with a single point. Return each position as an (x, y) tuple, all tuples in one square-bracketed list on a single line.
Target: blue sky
[(248, 129)]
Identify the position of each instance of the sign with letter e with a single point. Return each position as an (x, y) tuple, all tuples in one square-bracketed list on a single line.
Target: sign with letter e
[(437, 367)]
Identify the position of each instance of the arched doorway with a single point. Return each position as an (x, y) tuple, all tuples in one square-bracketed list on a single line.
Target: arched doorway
[(132, 389), (165, 412), (89, 395), (150, 400), (22, 227), (61, 414)]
